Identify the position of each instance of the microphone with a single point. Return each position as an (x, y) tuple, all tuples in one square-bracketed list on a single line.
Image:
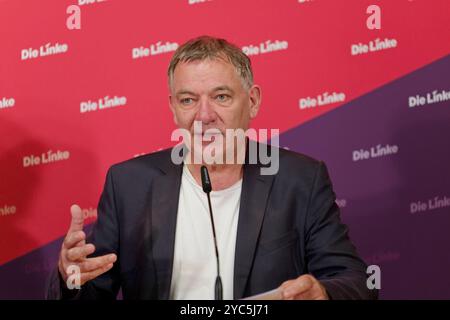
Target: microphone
[(207, 187)]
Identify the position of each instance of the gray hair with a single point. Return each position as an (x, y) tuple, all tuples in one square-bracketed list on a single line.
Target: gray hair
[(206, 47)]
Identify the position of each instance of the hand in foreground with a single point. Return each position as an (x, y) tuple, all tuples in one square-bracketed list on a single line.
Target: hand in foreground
[(74, 252), (305, 287)]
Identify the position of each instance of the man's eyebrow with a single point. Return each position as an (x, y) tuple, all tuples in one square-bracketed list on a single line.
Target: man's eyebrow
[(185, 92), (223, 88), (219, 88)]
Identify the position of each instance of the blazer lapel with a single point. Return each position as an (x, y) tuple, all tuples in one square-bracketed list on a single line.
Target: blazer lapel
[(254, 195), (165, 195)]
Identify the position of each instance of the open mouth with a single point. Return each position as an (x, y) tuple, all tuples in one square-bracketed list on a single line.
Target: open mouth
[(208, 136)]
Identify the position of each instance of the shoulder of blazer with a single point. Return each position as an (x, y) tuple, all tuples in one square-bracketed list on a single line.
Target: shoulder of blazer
[(294, 162), (154, 163), (296, 169)]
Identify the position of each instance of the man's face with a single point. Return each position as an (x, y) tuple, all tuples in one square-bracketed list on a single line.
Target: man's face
[(212, 92)]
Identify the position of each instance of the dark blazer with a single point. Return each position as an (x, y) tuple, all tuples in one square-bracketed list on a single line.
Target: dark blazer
[(289, 224)]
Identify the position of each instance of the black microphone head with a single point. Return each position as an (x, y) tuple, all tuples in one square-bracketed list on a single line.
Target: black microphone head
[(206, 182)]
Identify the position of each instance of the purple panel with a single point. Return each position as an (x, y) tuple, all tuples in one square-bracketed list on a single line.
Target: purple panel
[(411, 248)]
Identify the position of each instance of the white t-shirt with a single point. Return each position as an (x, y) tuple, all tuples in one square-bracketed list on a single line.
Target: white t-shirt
[(195, 267)]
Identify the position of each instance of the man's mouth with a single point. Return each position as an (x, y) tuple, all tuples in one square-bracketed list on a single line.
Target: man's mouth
[(207, 134)]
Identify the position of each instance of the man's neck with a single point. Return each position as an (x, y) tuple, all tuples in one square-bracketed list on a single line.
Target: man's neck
[(222, 175)]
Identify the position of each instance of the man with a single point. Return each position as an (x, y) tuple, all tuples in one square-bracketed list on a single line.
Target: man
[(153, 234)]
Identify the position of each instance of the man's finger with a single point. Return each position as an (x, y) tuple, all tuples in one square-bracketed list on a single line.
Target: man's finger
[(92, 264), (314, 293), (286, 284), (79, 253), (297, 287), (73, 238), (76, 224), (309, 294), (87, 276)]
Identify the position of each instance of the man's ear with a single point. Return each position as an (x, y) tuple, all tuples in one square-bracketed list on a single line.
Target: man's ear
[(255, 100), (172, 108)]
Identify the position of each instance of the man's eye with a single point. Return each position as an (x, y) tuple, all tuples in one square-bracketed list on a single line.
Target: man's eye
[(186, 101), (222, 97)]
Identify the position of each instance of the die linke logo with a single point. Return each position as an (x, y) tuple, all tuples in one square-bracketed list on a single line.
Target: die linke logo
[(197, 1), (85, 2), (435, 96), (323, 99), (153, 49), (375, 152), (265, 47), (103, 103), (432, 204), (7, 103), (7, 210), (45, 158), (48, 49), (89, 212), (373, 46)]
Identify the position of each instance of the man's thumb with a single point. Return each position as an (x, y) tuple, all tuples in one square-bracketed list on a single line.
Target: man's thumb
[(77, 221)]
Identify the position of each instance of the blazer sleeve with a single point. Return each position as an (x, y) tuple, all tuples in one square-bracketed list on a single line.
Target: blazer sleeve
[(331, 256), (105, 237)]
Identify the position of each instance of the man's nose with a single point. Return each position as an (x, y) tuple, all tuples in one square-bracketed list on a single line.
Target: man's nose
[(206, 113)]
